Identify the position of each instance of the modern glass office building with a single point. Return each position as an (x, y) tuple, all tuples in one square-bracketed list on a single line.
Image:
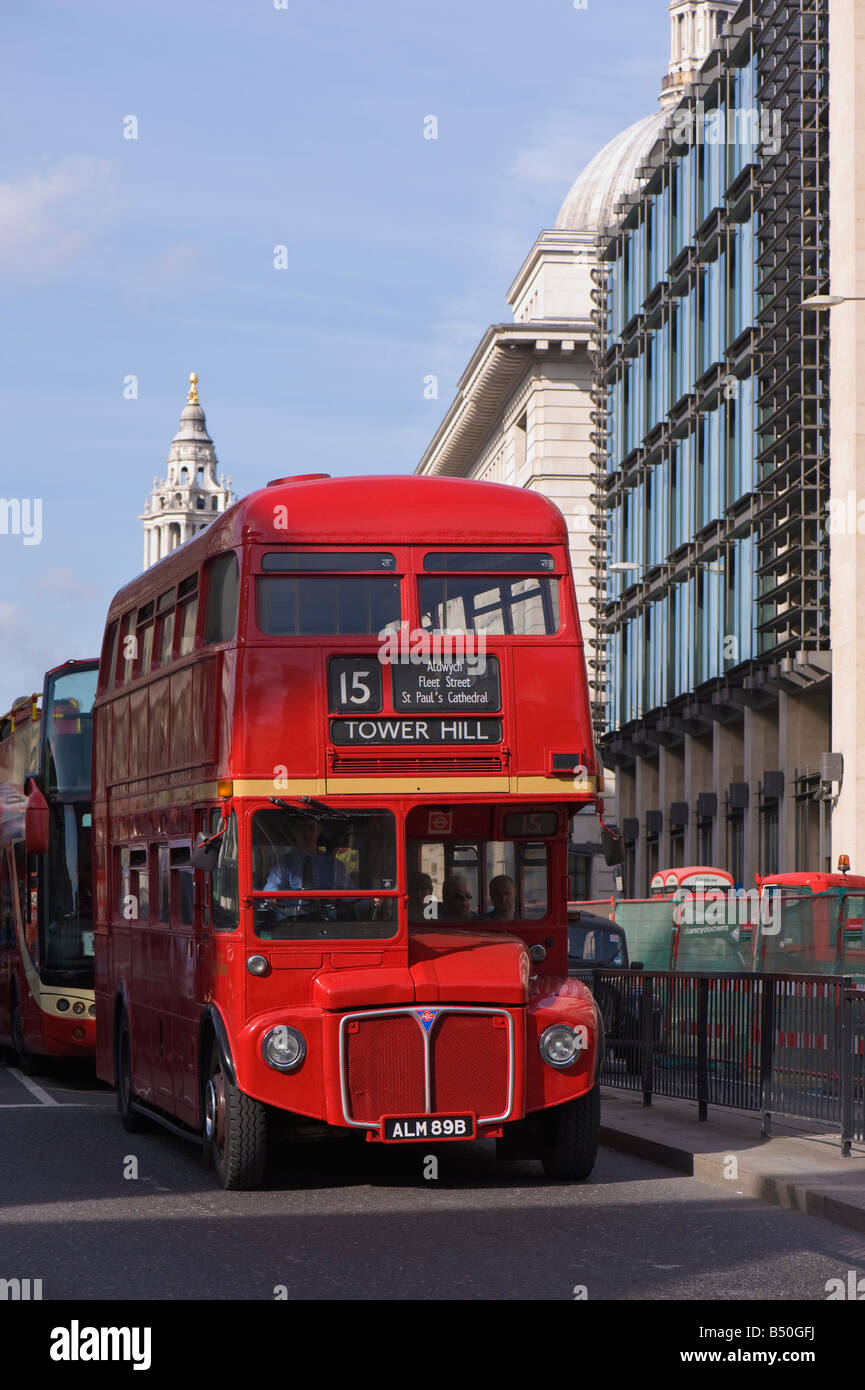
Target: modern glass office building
[(711, 434)]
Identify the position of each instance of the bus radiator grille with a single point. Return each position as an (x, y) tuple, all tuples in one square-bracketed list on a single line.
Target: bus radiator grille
[(384, 1068), (470, 1064), (384, 1065)]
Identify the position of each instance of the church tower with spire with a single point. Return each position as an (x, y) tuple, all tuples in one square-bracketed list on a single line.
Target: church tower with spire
[(189, 496)]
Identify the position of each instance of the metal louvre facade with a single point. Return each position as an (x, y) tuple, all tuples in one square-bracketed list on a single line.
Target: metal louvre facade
[(710, 429)]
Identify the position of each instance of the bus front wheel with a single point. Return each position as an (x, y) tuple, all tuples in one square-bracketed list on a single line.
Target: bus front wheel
[(571, 1138), (235, 1129)]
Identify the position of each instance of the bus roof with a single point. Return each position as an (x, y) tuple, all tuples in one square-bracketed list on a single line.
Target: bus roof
[(74, 663), (692, 876), (816, 881), (401, 510)]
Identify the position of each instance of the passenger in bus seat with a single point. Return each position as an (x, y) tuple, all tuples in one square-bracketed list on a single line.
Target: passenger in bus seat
[(456, 897), (503, 896), (422, 905)]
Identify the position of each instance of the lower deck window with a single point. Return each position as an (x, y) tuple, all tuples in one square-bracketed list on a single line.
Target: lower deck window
[(302, 857), (472, 880)]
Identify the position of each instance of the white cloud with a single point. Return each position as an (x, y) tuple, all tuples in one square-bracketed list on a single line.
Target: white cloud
[(48, 216)]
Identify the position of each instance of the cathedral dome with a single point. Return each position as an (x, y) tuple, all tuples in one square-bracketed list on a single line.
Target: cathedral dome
[(610, 175), (695, 27)]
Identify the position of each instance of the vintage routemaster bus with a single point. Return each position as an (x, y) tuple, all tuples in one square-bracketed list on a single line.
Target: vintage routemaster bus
[(339, 738), (47, 1006)]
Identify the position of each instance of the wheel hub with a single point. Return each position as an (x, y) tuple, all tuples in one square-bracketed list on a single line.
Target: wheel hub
[(214, 1110)]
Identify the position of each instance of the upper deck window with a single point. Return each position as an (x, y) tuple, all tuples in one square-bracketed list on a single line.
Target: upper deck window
[(187, 615), (318, 607), (144, 638), (108, 665), (128, 648), (357, 562), (505, 607), (486, 563), (68, 723), (165, 627), (223, 595)]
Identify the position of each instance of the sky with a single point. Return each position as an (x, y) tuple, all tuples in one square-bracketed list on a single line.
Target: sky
[(259, 124)]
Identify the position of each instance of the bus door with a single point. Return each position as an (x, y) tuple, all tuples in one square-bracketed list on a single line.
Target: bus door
[(159, 931), (130, 945), (172, 984), (181, 1014)]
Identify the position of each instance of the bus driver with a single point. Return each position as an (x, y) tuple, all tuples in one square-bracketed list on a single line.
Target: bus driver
[(302, 865)]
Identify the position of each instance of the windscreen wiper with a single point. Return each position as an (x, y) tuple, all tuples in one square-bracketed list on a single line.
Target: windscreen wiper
[(316, 810)]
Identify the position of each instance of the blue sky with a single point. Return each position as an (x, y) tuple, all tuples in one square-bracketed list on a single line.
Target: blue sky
[(259, 127)]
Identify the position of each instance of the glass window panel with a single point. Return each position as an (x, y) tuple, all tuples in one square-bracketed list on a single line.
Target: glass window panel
[(289, 606), (187, 615), (165, 639), (306, 560), (512, 607), (223, 596), (483, 562)]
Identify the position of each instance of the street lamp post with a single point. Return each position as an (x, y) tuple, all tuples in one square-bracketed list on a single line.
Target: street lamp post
[(829, 301)]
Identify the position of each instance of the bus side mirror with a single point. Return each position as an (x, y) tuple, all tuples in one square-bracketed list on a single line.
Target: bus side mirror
[(205, 852), (37, 831), (613, 846)]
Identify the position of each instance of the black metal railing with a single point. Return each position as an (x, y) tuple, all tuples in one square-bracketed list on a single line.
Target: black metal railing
[(789, 1045)]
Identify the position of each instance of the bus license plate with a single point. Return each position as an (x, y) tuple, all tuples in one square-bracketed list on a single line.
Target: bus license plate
[(399, 1129)]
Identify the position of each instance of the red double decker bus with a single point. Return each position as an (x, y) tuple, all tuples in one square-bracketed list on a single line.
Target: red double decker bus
[(339, 738), (47, 1006)]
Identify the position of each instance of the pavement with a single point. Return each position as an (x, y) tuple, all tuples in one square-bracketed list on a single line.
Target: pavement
[(799, 1168)]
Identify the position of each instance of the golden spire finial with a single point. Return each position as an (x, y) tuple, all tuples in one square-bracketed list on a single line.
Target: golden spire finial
[(192, 398)]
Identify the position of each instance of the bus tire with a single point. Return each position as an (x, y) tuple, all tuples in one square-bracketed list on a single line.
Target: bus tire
[(235, 1129), (28, 1062), (571, 1140), (132, 1122)]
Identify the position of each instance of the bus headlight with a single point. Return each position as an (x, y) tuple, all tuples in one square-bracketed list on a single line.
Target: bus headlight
[(560, 1045), (283, 1047)]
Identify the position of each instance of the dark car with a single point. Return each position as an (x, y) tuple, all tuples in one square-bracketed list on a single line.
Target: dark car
[(595, 941), (596, 944)]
